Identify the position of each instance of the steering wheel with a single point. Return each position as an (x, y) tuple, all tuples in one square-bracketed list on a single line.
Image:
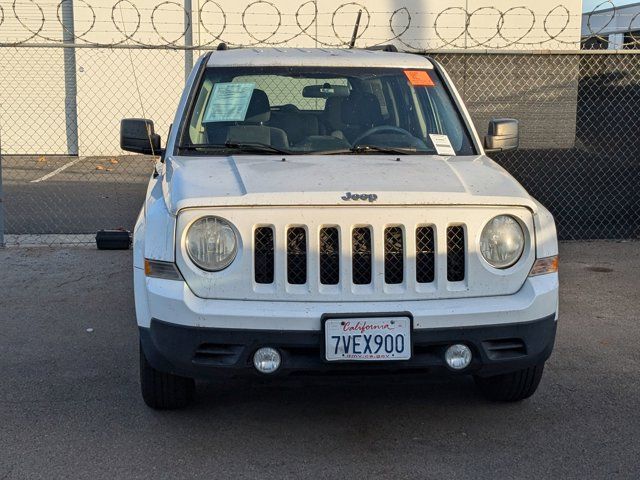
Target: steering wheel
[(381, 128)]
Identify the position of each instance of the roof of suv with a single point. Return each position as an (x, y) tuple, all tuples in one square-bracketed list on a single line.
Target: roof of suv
[(316, 57)]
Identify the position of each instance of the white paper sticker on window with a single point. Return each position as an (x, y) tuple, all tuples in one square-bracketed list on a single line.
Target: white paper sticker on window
[(442, 144), (229, 102)]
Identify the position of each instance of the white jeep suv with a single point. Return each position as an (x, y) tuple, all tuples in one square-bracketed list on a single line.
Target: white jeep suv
[(335, 211)]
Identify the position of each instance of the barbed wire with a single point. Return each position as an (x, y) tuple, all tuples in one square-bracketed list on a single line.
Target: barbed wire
[(264, 23)]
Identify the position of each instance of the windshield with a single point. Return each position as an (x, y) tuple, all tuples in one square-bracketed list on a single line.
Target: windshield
[(323, 110)]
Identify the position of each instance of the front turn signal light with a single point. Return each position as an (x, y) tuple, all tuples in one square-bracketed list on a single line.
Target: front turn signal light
[(158, 269), (544, 265)]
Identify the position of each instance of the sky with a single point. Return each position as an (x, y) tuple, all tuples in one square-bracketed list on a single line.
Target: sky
[(588, 5)]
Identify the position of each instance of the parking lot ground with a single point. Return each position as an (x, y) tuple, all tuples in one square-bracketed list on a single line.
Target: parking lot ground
[(73, 195), (70, 403)]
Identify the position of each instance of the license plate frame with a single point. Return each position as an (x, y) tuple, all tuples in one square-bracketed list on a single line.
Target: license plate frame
[(363, 317)]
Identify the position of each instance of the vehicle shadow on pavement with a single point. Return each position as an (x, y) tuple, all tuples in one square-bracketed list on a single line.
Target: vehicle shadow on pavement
[(325, 394)]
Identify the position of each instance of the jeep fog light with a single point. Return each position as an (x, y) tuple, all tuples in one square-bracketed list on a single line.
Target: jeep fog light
[(266, 360), (458, 356), (211, 243), (502, 241)]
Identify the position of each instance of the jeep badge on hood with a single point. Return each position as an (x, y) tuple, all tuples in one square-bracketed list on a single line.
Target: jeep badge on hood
[(371, 197)]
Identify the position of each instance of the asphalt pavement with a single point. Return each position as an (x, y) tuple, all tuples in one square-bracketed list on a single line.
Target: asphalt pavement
[(70, 403), (73, 195)]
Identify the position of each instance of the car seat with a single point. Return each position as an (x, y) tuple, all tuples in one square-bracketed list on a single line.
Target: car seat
[(360, 112), (296, 124)]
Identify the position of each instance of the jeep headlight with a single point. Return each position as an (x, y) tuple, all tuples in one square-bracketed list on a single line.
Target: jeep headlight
[(502, 241), (211, 243)]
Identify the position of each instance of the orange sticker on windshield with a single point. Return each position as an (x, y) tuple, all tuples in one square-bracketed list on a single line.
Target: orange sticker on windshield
[(419, 78)]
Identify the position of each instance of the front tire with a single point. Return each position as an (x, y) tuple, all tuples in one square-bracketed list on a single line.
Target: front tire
[(164, 391), (511, 387)]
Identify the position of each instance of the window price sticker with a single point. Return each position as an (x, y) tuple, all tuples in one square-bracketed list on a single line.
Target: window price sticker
[(419, 78), (442, 144), (229, 102)]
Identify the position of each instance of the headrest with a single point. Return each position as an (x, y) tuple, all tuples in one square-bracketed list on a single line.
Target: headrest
[(361, 109), (259, 110)]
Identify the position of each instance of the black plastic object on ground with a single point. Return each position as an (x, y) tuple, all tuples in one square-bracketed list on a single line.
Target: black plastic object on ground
[(113, 240)]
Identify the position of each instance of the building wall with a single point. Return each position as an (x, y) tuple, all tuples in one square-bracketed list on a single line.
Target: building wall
[(611, 24)]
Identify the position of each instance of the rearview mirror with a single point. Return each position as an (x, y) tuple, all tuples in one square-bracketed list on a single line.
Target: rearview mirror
[(502, 135), (325, 91), (137, 135)]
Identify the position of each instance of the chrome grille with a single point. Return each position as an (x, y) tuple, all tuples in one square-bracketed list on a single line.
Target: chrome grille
[(329, 256), (297, 256), (393, 255), (361, 255)]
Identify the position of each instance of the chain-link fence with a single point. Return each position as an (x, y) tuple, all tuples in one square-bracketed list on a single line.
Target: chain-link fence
[(579, 150), (64, 89), (46, 190)]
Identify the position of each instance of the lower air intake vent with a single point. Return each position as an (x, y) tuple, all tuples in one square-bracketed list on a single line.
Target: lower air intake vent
[(263, 254), (361, 246), (455, 253), (214, 354), (504, 348), (297, 256), (329, 256)]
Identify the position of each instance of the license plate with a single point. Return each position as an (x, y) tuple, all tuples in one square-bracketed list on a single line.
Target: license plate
[(367, 339)]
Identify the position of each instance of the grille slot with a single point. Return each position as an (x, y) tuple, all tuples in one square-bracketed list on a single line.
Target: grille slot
[(361, 255), (455, 253), (329, 256), (263, 255), (393, 255), (425, 255), (297, 256)]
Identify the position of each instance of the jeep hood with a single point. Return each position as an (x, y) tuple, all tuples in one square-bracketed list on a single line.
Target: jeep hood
[(323, 180)]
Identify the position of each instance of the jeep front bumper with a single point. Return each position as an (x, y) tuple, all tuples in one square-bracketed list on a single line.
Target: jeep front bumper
[(206, 352), (189, 336)]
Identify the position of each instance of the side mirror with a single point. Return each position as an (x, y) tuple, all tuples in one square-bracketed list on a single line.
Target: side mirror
[(502, 136), (137, 135)]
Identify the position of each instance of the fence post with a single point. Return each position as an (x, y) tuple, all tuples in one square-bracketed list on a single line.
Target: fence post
[(70, 79), (2, 244), (188, 38)]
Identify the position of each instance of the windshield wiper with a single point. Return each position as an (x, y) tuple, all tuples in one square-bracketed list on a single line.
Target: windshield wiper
[(265, 148), (360, 149), (243, 147), (381, 149)]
